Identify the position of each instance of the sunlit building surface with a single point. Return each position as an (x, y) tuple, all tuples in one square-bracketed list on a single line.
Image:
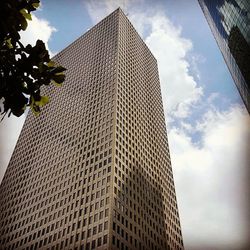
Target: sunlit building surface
[(93, 170), (229, 21)]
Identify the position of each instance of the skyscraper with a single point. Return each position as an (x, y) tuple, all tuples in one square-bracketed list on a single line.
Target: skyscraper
[(93, 170), (229, 21)]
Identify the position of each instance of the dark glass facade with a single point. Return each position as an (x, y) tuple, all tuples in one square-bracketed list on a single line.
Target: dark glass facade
[(229, 21)]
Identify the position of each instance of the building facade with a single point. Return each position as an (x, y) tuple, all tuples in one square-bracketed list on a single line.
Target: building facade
[(93, 171), (229, 21)]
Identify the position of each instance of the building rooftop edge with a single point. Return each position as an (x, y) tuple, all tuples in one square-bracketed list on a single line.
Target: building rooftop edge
[(116, 10)]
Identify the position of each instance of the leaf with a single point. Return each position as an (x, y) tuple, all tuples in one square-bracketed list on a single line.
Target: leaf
[(8, 43), (17, 103), (28, 49), (58, 78), (24, 107), (60, 68), (24, 24), (35, 5), (25, 14), (57, 69), (44, 100), (41, 67), (59, 74), (51, 64), (34, 108)]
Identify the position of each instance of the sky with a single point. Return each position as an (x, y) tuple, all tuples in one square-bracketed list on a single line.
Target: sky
[(208, 125)]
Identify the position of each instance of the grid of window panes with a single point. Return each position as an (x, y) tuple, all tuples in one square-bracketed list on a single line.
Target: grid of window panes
[(223, 17), (93, 170), (55, 193), (145, 214)]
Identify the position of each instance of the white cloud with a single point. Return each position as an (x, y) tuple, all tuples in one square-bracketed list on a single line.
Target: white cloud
[(211, 179), (10, 129), (187, 126), (213, 96), (195, 60), (37, 29), (179, 88), (99, 9)]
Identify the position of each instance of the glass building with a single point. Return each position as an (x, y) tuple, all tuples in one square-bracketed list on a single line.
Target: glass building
[(93, 171), (229, 21)]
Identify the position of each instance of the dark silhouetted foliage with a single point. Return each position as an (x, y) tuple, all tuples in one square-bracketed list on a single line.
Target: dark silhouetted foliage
[(23, 69)]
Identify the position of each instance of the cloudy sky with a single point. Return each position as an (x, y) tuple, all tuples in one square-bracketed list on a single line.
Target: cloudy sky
[(208, 126)]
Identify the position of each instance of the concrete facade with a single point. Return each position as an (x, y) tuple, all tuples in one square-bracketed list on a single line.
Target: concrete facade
[(93, 171)]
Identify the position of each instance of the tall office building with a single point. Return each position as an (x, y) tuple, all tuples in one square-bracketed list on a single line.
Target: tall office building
[(229, 21), (93, 170)]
